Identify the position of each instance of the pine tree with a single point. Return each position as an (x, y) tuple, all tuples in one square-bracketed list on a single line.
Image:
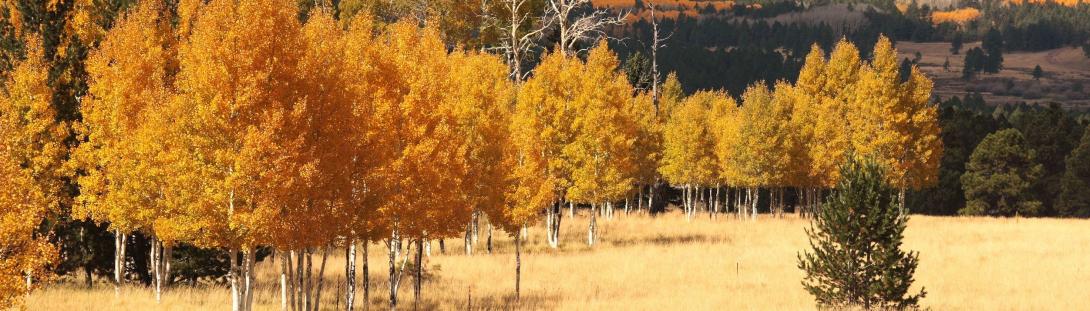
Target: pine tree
[(1074, 197), (999, 175), (1038, 73), (955, 45), (856, 259)]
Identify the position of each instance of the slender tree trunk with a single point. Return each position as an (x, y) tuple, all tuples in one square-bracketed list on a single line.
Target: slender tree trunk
[(442, 246), (350, 275), (395, 274), (489, 237), (756, 196), (309, 286), (571, 210), (469, 238), (234, 274), (321, 279), (549, 225), (366, 277), (249, 261), (593, 225), (284, 258), (300, 279), (651, 198), (120, 240), (419, 273), (557, 218), (518, 264), (476, 227)]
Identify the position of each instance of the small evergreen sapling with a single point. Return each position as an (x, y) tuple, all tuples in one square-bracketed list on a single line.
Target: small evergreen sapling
[(857, 259)]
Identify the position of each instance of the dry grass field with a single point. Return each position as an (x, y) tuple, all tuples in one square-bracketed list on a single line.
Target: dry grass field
[(665, 263), (1064, 68)]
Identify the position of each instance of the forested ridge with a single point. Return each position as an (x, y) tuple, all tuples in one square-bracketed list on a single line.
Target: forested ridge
[(182, 141)]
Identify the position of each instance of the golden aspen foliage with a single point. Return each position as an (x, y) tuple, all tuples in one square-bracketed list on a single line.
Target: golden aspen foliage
[(601, 153), (761, 155), (427, 168), (31, 155), (649, 140), (725, 129), (308, 190), (826, 109), (688, 157), (22, 208), (483, 101), (672, 95), (958, 16), (807, 110), (119, 160), (544, 115), (893, 122), (372, 83), (237, 94), (34, 137)]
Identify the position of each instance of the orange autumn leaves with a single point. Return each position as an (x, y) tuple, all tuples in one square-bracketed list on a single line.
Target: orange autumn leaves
[(959, 16), (31, 169), (222, 134), (798, 135)]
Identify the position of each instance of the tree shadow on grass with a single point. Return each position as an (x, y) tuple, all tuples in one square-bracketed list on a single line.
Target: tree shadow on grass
[(527, 301), (664, 240)]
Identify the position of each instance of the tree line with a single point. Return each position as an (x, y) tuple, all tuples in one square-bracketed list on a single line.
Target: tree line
[(305, 135), (1030, 166)]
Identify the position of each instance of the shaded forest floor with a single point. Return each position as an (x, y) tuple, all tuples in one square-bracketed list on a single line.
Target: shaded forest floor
[(666, 263)]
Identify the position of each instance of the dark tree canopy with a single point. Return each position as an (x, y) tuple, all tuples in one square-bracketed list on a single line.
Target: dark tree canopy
[(1075, 185), (999, 176)]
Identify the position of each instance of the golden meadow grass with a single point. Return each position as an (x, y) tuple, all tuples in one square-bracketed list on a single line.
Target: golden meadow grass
[(666, 263)]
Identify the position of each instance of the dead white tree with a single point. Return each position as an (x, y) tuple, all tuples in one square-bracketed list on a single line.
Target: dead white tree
[(657, 41), (577, 21), (522, 32)]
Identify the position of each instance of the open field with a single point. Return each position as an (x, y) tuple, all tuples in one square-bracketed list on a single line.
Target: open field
[(660, 263), (1064, 68)]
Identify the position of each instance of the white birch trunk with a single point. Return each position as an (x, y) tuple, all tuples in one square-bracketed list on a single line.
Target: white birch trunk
[(350, 276), (593, 225), (120, 240), (283, 279)]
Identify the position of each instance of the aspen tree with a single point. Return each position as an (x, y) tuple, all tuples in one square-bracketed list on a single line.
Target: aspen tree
[(130, 77), (527, 191), (483, 101), (688, 156), (761, 156), (894, 122), (543, 116), (601, 151), (427, 170), (31, 151), (309, 192), (648, 145), (368, 76), (235, 121)]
